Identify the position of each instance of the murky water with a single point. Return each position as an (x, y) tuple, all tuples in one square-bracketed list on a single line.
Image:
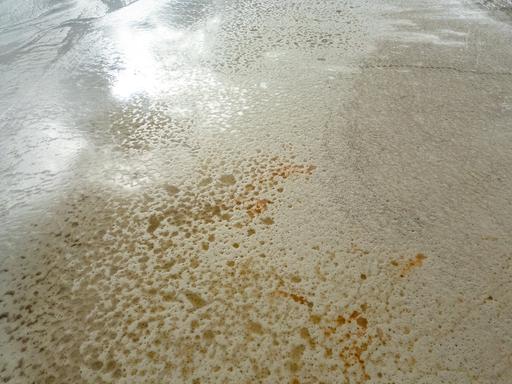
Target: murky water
[(188, 197)]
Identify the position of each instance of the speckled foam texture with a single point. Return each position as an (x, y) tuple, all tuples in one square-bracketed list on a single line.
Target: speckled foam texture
[(272, 192)]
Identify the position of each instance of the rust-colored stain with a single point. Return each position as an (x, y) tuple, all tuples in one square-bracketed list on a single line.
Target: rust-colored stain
[(172, 256), (329, 331), (255, 327), (304, 333), (286, 171), (297, 298), (354, 315), (349, 337), (340, 320), (295, 356), (362, 322), (406, 266), (193, 210), (267, 221), (257, 207)]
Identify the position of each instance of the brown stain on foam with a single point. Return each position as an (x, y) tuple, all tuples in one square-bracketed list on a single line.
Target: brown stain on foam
[(196, 210), (258, 207), (304, 333), (267, 221), (349, 337), (287, 170), (142, 300), (406, 266), (156, 298), (294, 297)]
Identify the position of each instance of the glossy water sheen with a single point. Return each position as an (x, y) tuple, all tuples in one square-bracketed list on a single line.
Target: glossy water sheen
[(255, 191)]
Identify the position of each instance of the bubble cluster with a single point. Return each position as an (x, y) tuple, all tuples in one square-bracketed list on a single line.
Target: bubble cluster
[(255, 32), (137, 126), (187, 282), (236, 214)]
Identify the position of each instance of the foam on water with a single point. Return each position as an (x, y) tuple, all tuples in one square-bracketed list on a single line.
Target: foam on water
[(216, 225), (189, 281)]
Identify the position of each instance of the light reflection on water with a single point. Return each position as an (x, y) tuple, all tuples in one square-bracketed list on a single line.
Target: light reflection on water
[(175, 200)]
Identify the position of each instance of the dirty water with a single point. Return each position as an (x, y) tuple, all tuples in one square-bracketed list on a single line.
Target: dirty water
[(300, 192)]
